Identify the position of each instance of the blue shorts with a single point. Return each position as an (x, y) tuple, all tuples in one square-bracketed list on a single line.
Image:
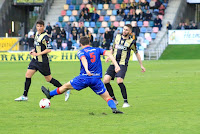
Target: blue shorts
[(95, 84)]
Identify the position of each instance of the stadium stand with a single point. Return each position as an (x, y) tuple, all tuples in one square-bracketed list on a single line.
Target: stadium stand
[(108, 14)]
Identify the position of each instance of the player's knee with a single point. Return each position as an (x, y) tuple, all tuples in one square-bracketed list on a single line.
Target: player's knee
[(120, 80), (27, 75), (48, 79), (66, 86), (106, 81)]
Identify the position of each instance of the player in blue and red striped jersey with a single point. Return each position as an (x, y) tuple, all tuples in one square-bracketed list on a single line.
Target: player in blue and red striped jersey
[(90, 74)]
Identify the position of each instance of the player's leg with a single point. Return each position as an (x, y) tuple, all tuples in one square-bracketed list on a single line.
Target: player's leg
[(28, 75), (57, 91), (110, 74), (76, 83), (120, 81), (98, 87), (44, 69), (53, 81)]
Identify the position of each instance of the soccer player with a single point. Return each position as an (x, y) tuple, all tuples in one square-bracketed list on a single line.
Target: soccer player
[(40, 61), (121, 50), (90, 74)]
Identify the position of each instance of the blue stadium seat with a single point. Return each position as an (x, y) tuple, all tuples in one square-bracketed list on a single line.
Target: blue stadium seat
[(107, 18), (101, 30), (141, 35), (114, 12), (143, 30), (100, 6), (71, 7), (136, 1), (68, 2), (120, 29), (151, 23), (72, 18), (112, 6), (86, 24), (109, 24), (63, 24), (98, 24), (103, 12), (126, 11), (92, 24), (141, 48), (60, 19), (59, 24), (74, 2), (127, 22), (69, 13), (140, 23), (153, 35), (77, 7), (119, 18), (147, 42), (149, 29), (138, 45), (119, 1), (96, 30)]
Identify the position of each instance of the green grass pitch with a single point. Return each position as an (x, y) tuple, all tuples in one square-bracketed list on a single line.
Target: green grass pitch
[(164, 100)]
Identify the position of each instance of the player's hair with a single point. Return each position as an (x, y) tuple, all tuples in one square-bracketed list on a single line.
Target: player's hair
[(41, 22), (129, 26), (84, 40)]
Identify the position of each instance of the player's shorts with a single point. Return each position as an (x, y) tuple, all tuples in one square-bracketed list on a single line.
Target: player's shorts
[(81, 82), (43, 68), (111, 71)]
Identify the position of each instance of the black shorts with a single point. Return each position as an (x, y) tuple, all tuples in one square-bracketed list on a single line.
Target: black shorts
[(43, 68), (111, 71)]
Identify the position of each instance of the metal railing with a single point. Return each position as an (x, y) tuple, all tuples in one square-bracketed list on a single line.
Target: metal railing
[(155, 53)]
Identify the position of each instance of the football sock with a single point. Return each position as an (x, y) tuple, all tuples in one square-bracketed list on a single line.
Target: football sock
[(55, 82), (123, 91), (111, 103), (55, 92), (27, 85), (110, 90)]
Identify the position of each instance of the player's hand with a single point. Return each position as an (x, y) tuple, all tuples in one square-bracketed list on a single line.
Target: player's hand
[(34, 54), (143, 69), (33, 50), (117, 69), (89, 73), (107, 59)]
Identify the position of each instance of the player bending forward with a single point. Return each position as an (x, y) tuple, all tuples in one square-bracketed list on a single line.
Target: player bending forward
[(90, 74)]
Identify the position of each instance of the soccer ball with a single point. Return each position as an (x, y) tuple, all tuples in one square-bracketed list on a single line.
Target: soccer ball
[(45, 103)]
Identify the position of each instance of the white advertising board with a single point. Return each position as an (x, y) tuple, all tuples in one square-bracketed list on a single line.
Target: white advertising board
[(184, 37), (193, 1)]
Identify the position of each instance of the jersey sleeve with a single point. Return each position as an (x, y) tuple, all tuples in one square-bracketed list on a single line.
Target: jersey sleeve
[(134, 47), (102, 51), (80, 54), (46, 42)]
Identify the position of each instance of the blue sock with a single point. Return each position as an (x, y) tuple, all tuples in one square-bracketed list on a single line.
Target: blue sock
[(111, 103), (54, 92)]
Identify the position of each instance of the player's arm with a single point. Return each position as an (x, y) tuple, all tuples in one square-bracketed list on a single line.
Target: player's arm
[(111, 51), (110, 56), (140, 62), (85, 64), (134, 48)]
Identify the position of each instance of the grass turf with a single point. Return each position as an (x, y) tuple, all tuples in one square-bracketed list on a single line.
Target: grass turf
[(164, 100), (181, 52)]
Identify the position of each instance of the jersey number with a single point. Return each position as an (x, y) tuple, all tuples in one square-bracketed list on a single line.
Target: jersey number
[(93, 57)]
